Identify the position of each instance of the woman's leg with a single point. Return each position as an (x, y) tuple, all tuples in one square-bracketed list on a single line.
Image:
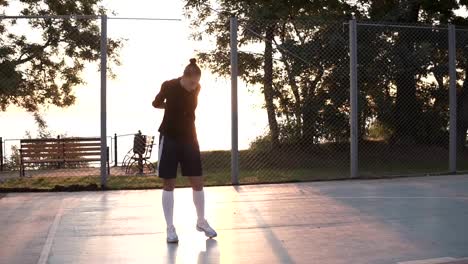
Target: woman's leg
[(199, 201), (192, 168), (169, 184), (168, 200), (196, 182), (198, 196)]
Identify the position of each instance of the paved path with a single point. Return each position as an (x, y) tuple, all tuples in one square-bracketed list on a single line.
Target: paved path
[(409, 220)]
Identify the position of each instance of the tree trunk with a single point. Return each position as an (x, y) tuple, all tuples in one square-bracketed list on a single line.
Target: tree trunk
[(297, 96), (310, 109), (268, 86), (310, 114), (406, 106)]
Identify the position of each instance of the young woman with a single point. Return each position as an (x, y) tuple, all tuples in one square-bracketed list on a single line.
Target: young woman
[(178, 143)]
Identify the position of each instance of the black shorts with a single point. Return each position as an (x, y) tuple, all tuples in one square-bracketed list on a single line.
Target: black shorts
[(173, 152)]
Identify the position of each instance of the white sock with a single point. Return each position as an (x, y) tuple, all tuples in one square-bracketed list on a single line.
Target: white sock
[(199, 201), (168, 206)]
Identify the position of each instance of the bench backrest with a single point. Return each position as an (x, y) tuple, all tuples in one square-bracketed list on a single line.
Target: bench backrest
[(62, 149), (41, 150)]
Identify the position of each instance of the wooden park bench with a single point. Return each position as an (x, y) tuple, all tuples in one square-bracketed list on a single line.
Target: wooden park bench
[(60, 151)]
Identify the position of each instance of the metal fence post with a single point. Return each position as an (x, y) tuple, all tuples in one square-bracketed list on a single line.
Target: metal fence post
[(234, 113), (103, 101), (115, 149), (1, 153), (452, 100), (353, 98), (61, 146)]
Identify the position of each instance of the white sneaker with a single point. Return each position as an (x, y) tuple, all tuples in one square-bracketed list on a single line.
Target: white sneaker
[(172, 235), (203, 226)]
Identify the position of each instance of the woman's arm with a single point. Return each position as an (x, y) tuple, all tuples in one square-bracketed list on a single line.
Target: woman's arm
[(159, 100)]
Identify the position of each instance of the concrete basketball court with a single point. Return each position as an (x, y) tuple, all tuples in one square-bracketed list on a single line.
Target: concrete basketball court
[(406, 220)]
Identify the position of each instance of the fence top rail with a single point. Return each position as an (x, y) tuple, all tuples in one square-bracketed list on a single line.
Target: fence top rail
[(407, 25), (145, 18), (85, 17), (50, 16), (396, 25)]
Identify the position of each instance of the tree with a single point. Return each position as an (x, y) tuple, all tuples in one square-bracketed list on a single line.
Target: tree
[(261, 22), (462, 98), (417, 53), (309, 91), (44, 72)]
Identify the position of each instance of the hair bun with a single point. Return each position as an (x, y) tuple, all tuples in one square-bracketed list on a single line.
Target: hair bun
[(193, 61)]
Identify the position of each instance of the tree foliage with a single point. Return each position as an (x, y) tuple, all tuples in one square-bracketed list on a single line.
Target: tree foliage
[(289, 83), (43, 71), (310, 83)]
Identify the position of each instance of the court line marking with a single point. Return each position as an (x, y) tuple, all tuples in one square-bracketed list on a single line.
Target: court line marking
[(399, 197), (429, 261), (324, 197), (50, 236)]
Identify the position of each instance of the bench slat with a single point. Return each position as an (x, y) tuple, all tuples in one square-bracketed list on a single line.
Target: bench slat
[(80, 139), (43, 161), (36, 150), (80, 160), (68, 145), (57, 154), (37, 140), (84, 146), (61, 160), (38, 146), (53, 155), (82, 154), (68, 150)]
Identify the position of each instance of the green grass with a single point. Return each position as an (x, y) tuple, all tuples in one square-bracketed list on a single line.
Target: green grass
[(219, 178), (214, 178), (327, 163)]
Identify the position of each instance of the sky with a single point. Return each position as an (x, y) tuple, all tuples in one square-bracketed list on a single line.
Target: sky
[(154, 51)]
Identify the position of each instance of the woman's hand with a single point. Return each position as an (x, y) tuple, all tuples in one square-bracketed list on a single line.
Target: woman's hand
[(159, 100), (158, 104)]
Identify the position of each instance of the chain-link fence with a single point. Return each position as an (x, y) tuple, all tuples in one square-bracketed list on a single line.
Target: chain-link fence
[(50, 98), (461, 36), (297, 71), (403, 82), (295, 106), (147, 61), (68, 98)]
